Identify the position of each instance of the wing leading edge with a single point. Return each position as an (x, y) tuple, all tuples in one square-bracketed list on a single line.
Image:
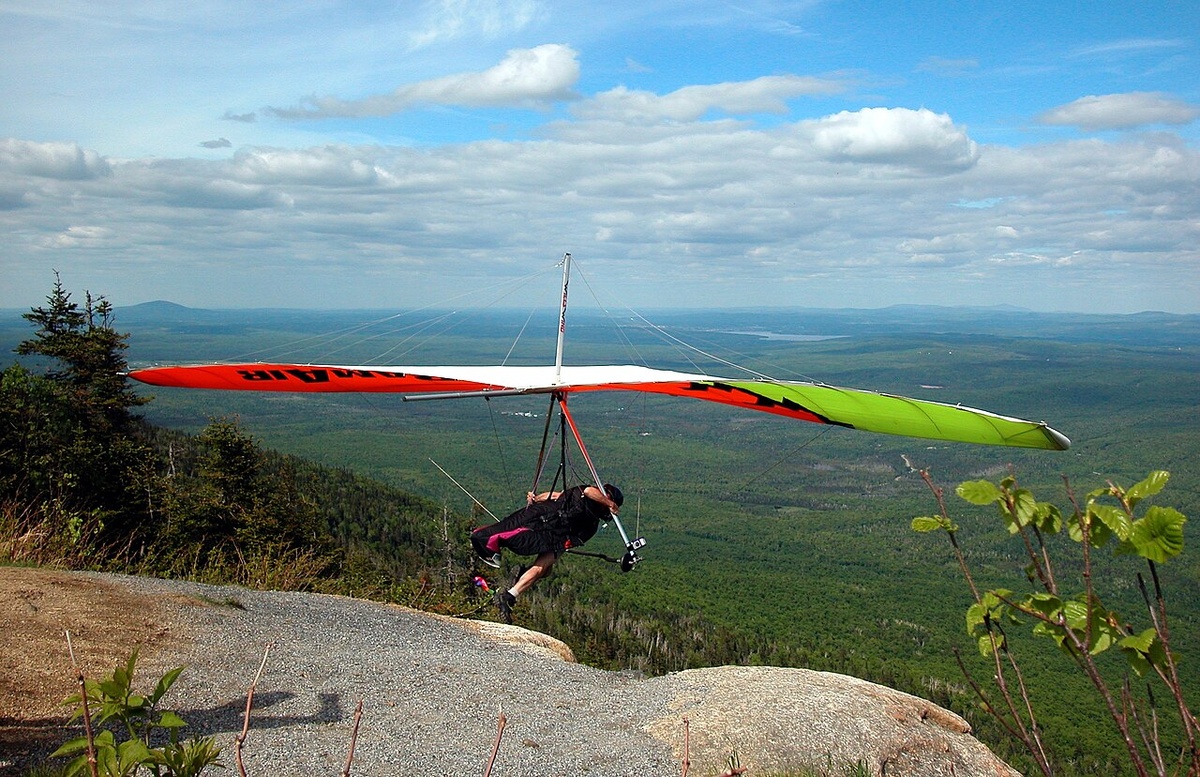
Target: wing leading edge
[(817, 403)]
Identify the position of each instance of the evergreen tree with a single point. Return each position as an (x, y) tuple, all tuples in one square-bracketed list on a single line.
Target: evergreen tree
[(233, 500), (88, 354), (70, 435)]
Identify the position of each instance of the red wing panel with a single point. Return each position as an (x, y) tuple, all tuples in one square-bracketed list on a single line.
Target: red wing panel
[(303, 378)]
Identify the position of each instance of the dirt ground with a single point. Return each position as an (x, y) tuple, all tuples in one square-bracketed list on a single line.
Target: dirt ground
[(37, 608)]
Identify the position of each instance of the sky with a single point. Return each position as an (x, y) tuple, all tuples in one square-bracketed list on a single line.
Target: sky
[(687, 153)]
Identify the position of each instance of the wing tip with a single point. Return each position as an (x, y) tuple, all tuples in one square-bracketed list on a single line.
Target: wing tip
[(1060, 441)]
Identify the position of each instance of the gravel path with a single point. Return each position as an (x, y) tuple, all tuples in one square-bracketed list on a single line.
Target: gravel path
[(431, 689)]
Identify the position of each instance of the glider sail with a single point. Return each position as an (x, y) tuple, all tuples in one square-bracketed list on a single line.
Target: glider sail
[(814, 402)]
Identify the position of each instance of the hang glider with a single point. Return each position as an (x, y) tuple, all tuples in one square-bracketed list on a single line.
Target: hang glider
[(814, 402)]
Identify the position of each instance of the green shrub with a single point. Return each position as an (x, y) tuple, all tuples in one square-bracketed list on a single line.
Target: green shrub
[(135, 723)]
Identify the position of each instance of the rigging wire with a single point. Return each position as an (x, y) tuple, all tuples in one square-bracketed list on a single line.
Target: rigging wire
[(683, 344), (758, 375), (464, 490), (685, 349), (513, 287), (324, 339), (517, 339), (682, 347), (421, 328), (629, 346), (499, 443)]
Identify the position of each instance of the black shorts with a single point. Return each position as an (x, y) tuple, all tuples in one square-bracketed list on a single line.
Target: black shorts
[(530, 531)]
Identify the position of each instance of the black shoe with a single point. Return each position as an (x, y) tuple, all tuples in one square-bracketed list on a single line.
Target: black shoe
[(492, 561), (504, 604)]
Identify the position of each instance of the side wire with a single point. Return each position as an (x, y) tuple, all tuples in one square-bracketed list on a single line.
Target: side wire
[(499, 444), (464, 490)]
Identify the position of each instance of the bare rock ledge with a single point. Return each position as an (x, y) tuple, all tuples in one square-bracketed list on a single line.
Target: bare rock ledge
[(433, 688)]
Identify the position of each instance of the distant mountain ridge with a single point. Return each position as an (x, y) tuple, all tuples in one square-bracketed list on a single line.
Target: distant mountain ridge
[(1144, 329)]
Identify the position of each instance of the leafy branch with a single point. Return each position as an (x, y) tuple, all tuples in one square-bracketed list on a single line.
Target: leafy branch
[(1079, 624)]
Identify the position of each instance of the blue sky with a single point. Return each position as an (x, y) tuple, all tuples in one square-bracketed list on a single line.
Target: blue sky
[(829, 154)]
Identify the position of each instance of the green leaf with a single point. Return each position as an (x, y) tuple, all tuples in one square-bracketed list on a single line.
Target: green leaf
[(1075, 527), (1140, 642), (979, 492), (70, 746), (1105, 634), (975, 617), (928, 523), (116, 686), (1103, 628), (1046, 605), (1010, 521), (1113, 518), (1137, 662), (994, 599), (1098, 532), (1141, 649), (191, 758), (1056, 633), (171, 720), (131, 754), (1075, 614), (103, 741), (1153, 484), (1158, 535), (1025, 507), (1049, 518), (990, 607), (165, 683)]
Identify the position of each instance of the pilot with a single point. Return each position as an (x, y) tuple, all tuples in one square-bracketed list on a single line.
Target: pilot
[(549, 524)]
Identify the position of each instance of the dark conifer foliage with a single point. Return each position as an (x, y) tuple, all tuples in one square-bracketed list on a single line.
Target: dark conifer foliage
[(87, 353), (69, 435)]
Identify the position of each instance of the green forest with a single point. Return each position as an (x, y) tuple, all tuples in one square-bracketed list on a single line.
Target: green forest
[(769, 541)]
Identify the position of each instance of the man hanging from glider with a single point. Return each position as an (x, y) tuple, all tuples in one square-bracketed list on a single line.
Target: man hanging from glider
[(549, 524)]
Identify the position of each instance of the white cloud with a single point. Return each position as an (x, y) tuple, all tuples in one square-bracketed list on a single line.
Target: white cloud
[(79, 237), (892, 135), (770, 213), (446, 20), (1128, 46), (1121, 111), (633, 66), (66, 161), (525, 78), (768, 94), (325, 166)]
